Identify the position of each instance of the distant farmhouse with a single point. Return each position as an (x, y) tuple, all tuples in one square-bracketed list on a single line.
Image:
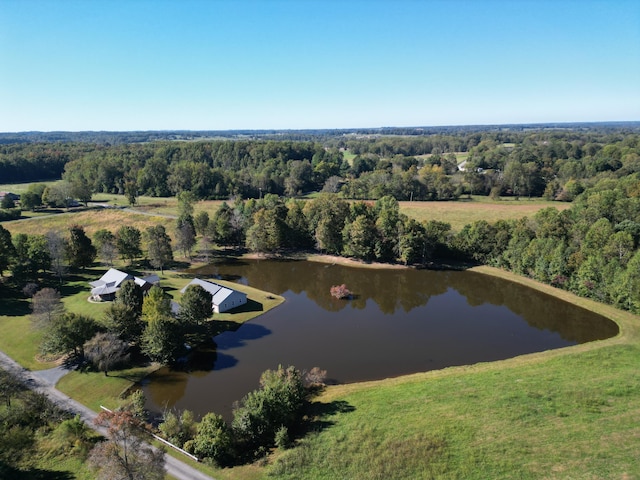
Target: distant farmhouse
[(11, 196), (224, 298), (109, 283)]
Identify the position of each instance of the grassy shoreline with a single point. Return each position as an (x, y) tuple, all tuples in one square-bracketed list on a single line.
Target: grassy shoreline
[(540, 415)]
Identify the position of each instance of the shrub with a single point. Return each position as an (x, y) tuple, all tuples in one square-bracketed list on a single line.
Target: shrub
[(341, 291), (212, 440), (276, 404), (282, 437)]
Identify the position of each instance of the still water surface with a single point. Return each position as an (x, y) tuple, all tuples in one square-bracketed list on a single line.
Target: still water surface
[(400, 322)]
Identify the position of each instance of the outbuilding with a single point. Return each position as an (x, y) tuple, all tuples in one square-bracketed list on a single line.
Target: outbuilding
[(223, 298)]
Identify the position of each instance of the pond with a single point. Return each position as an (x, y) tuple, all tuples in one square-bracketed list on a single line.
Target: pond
[(400, 321)]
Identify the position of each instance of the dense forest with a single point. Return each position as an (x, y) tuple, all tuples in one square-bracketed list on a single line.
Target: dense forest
[(411, 164)]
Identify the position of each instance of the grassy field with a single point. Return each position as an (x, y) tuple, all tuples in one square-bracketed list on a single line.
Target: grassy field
[(20, 188), (91, 220), (462, 212), (156, 205), (151, 211), (569, 413)]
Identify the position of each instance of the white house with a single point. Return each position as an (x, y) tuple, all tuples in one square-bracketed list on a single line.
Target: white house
[(223, 298), (107, 286)]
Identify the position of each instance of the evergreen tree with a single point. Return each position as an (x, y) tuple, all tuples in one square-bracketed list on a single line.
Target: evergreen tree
[(80, 250), (7, 250)]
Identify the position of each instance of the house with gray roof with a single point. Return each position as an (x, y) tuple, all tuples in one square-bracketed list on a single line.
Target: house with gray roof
[(106, 287), (223, 298)]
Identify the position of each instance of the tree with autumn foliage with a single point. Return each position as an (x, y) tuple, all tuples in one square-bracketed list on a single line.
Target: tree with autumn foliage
[(124, 455), (341, 291)]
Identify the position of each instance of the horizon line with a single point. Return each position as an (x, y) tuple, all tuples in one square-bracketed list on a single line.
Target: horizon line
[(389, 127)]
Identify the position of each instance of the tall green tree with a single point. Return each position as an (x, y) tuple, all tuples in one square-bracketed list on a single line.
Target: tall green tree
[(105, 243), (155, 305), (185, 235), (359, 238), (32, 255), (186, 199), (225, 228), (128, 241), (195, 306), (80, 250), (131, 191), (163, 339), (158, 247), (130, 294), (326, 216), (266, 233), (163, 336), (277, 403), (213, 440), (201, 222), (7, 250), (123, 317), (388, 224), (69, 332), (412, 247), (32, 198), (121, 320)]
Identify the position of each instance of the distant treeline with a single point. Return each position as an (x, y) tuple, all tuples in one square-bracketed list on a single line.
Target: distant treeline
[(550, 162), (321, 135)]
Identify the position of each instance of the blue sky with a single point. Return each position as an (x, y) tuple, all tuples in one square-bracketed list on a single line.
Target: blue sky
[(220, 65)]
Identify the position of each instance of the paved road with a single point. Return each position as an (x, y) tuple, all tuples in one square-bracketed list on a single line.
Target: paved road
[(44, 382)]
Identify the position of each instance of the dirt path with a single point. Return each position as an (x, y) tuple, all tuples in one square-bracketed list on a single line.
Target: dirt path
[(44, 382)]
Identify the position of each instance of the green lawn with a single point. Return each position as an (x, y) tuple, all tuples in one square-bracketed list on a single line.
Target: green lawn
[(93, 389), (20, 188)]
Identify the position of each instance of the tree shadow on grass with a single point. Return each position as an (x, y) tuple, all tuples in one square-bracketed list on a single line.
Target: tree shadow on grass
[(317, 414), (7, 471), (13, 306), (69, 290)]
